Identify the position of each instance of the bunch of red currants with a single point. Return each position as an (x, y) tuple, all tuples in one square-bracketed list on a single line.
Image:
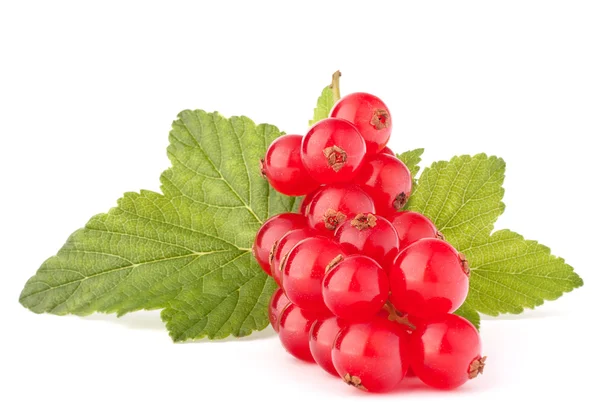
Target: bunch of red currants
[(366, 289)]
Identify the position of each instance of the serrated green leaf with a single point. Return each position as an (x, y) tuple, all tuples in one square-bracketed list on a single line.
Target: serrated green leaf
[(189, 247), (510, 273), (324, 105), (463, 197), (470, 314), (411, 159)]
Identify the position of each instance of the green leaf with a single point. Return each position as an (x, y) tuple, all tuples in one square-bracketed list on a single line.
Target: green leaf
[(411, 159), (510, 273), (463, 197), (324, 105), (187, 250), (470, 314)]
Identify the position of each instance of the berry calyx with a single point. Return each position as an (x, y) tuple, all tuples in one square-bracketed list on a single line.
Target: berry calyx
[(322, 336), (282, 247), (270, 232), (412, 226), (278, 302), (294, 329), (333, 151), (283, 168), (304, 270), (387, 180), (446, 352), (333, 204), (370, 116), (355, 288), (371, 356), (370, 235), (428, 279)]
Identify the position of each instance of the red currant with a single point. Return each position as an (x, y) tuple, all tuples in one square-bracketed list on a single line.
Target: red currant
[(283, 246), (304, 269), (412, 226), (370, 235), (270, 232), (371, 356), (370, 115), (333, 204), (429, 278), (333, 150), (306, 201), (355, 288), (387, 180), (388, 151), (283, 168), (446, 352), (278, 302), (294, 328), (322, 336)]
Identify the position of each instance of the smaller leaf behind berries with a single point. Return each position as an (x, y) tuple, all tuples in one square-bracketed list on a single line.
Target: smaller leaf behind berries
[(470, 314), (324, 105), (411, 159)]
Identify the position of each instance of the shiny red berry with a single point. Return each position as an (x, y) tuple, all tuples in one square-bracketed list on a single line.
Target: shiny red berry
[(333, 204), (372, 356), (270, 232), (294, 328), (278, 302), (333, 150), (355, 288), (429, 278), (370, 115), (412, 226), (283, 168), (388, 151), (304, 269), (282, 247), (446, 352), (306, 201), (370, 235), (322, 336), (387, 180)]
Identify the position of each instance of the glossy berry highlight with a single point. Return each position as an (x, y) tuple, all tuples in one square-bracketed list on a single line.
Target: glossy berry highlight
[(282, 247), (355, 288), (283, 168), (428, 279), (322, 335), (370, 116), (446, 352), (294, 329), (278, 302), (333, 151), (412, 226)]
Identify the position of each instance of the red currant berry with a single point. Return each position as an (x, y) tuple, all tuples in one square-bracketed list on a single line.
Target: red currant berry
[(355, 288), (412, 226), (283, 168), (306, 201), (387, 180), (429, 278), (371, 356), (370, 115), (333, 150), (388, 151), (270, 232), (332, 205), (283, 246), (370, 235), (304, 269), (278, 302), (446, 352), (294, 329), (322, 336)]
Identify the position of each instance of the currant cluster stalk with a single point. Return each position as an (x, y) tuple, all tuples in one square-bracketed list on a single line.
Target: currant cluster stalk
[(367, 290)]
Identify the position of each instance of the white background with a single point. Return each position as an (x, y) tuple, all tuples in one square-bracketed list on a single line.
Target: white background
[(88, 91)]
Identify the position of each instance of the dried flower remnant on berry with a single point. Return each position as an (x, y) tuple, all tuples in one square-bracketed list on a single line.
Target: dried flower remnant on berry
[(476, 367), (333, 219), (464, 263), (336, 157), (381, 119), (363, 221), (354, 381), (334, 262), (400, 201)]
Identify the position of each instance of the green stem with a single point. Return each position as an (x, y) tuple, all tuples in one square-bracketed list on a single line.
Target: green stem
[(335, 85)]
